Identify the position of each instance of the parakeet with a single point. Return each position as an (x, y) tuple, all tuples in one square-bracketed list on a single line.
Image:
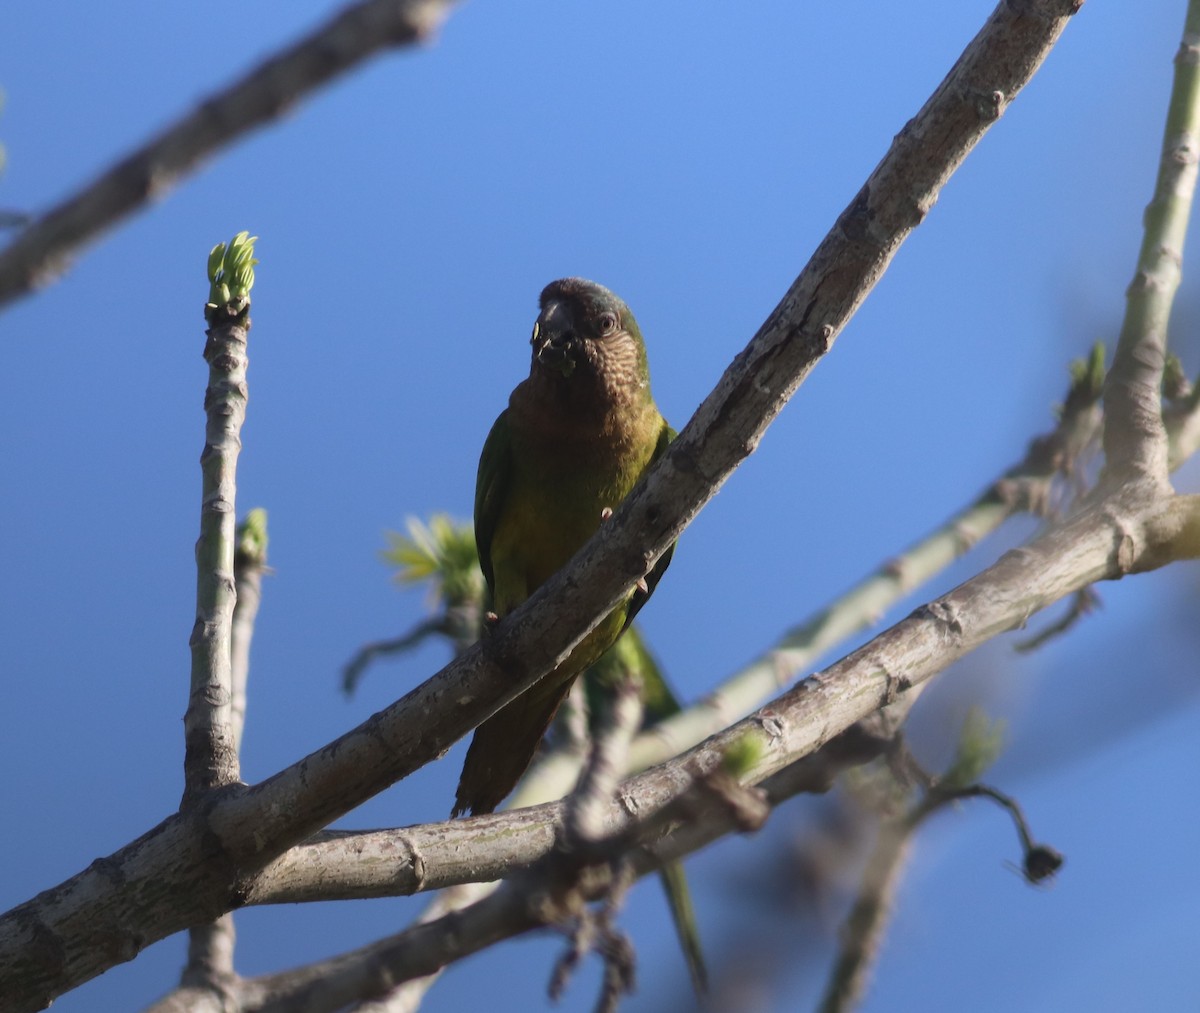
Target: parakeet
[(577, 435)]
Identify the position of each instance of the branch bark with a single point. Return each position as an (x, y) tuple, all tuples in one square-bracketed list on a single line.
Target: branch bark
[(249, 566), (387, 862), (196, 865), (41, 252), (1135, 442), (211, 758), (1103, 542), (209, 980)]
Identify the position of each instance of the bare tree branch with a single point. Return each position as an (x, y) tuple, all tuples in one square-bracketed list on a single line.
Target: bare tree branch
[(865, 925), (864, 928), (1025, 486), (353, 672), (1102, 541), (42, 250), (211, 758), (1135, 443), (249, 566), (194, 866), (1092, 546), (198, 1000), (605, 764), (209, 980), (553, 893)]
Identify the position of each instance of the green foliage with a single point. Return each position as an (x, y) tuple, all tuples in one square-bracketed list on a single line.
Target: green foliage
[(1087, 381), (743, 754), (251, 546), (442, 553), (231, 271), (979, 744)]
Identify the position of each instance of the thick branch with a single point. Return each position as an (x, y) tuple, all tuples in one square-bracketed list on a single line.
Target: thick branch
[(1026, 486), (346, 864), (1102, 542), (605, 765), (118, 906), (209, 978), (551, 893), (41, 252), (723, 432)]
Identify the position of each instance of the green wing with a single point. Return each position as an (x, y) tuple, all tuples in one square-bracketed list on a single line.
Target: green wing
[(630, 655), (640, 597), (491, 489)]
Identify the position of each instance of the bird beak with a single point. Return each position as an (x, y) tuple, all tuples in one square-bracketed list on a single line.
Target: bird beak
[(553, 339)]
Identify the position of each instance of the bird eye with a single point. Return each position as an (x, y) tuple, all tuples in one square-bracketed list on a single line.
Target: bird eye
[(536, 329), (608, 323)]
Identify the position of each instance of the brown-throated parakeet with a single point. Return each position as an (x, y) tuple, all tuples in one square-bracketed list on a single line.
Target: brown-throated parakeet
[(577, 435)]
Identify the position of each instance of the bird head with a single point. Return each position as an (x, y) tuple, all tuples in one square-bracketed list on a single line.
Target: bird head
[(587, 332)]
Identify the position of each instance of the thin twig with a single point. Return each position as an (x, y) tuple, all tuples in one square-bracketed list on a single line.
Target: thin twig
[(99, 917), (14, 219), (585, 834), (1084, 602), (1023, 487), (1040, 861), (865, 925), (42, 251), (1135, 443), (863, 931), (605, 765), (209, 965), (356, 666), (249, 566), (211, 758), (572, 736), (595, 931)]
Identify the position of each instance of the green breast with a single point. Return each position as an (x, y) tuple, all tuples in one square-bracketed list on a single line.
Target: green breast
[(555, 501)]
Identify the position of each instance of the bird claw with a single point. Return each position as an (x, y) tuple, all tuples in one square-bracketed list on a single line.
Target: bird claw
[(642, 585), (606, 513)]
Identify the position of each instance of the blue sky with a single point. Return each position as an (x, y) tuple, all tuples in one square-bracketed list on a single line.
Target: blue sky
[(408, 217)]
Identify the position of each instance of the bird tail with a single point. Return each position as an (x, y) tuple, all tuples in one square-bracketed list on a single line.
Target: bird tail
[(503, 746), (679, 899)]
